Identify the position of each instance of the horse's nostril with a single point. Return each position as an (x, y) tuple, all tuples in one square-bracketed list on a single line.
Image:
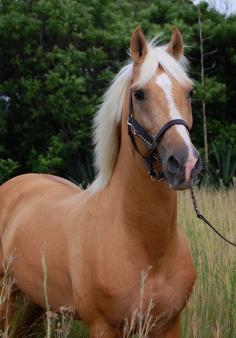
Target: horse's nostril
[(172, 164)]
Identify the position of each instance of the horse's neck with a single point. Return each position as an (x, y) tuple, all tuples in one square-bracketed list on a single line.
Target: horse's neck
[(147, 208)]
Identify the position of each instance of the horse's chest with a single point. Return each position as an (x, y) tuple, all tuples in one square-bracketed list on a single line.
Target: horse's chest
[(166, 295), (122, 285), (156, 296)]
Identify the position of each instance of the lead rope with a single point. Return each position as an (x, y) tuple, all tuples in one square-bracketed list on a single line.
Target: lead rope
[(200, 216)]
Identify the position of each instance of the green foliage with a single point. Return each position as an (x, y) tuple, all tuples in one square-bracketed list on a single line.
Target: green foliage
[(58, 57), (223, 164), (7, 169), (85, 172), (214, 93), (51, 161)]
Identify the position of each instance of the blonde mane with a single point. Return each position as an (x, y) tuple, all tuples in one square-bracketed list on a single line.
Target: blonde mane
[(107, 118)]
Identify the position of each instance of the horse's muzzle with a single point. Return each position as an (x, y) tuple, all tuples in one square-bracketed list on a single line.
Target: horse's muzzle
[(182, 168)]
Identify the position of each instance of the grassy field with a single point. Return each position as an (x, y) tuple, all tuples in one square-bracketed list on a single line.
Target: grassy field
[(211, 310)]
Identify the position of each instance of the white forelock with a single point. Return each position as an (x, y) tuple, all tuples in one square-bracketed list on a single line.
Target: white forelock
[(107, 118)]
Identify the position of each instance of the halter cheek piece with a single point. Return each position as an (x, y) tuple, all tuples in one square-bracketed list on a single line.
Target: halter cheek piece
[(151, 142)]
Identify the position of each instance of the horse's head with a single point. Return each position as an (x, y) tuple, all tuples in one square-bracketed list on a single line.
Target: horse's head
[(161, 92)]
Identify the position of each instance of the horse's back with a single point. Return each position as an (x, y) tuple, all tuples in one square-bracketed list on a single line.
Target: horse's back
[(26, 182), (24, 191)]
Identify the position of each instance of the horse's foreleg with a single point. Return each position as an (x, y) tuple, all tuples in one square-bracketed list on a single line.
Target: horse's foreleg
[(172, 331), (100, 329)]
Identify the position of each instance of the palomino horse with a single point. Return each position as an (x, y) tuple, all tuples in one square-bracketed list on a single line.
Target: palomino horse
[(97, 242)]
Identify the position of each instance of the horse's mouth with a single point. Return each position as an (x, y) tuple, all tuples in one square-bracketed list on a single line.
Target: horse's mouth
[(177, 181)]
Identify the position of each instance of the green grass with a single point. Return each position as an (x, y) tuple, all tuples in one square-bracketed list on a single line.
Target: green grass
[(211, 310)]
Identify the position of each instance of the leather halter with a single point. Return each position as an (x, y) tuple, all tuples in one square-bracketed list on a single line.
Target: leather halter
[(151, 142)]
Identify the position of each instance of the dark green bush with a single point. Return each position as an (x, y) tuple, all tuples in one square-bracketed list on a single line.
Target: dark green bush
[(222, 168)]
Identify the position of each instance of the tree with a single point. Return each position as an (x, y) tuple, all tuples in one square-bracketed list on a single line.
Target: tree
[(203, 88)]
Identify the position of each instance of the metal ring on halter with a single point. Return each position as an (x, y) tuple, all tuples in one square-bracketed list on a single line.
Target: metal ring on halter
[(132, 128), (157, 178)]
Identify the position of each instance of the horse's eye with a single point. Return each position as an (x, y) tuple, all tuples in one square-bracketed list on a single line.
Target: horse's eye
[(191, 93), (139, 95)]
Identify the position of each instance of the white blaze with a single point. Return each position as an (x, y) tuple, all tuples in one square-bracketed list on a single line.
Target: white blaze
[(164, 82)]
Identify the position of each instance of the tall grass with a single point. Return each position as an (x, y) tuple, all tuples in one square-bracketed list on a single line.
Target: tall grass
[(211, 310)]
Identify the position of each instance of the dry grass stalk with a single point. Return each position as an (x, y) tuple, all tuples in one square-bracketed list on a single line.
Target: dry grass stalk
[(65, 322), (50, 316), (7, 287), (141, 319)]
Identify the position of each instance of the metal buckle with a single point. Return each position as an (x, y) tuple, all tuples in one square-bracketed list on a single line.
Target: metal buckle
[(144, 140), (136, 133), (157, 177), (133, 130)]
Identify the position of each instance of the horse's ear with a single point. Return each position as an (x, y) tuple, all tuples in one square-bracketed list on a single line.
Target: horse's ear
[(138, 45), (176, 44)]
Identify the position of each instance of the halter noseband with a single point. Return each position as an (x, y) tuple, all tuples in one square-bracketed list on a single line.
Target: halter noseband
[(151, 142)]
